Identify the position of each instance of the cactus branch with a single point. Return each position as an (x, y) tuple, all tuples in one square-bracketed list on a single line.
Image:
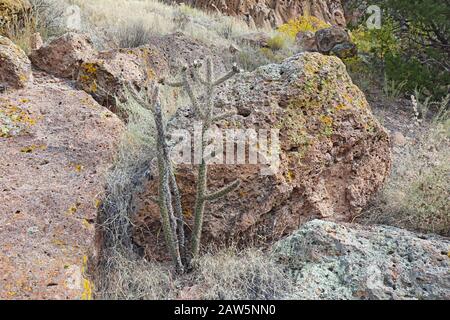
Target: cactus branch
[(228, 76), (223, 192)]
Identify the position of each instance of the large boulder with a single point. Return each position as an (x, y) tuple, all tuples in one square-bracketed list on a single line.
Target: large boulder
[(330, 41), (63, 56), (15, 67), (343, 261), (273, 13), (52, 173), (334, 154), (107, 75), (14, 14)]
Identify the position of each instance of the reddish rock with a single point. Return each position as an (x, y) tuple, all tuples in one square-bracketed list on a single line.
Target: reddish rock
[(106, 76), (63, 56), (15, 67), (51, 177)]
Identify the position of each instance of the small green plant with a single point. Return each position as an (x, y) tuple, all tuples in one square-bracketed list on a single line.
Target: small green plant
[(393, 89), (277, 42)]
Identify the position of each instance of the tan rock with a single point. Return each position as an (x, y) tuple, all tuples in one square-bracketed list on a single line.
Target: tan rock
[(51, 176), (63, 56), (36, 41), (398, 139), (334, 154), (15, 67), (306, 41)]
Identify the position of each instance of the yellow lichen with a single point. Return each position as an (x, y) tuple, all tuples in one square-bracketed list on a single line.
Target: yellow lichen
[(87, 285), (90, 68), (32, 148)]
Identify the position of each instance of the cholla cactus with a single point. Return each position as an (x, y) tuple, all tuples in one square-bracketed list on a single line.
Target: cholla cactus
[(205, 111), (169, 198)]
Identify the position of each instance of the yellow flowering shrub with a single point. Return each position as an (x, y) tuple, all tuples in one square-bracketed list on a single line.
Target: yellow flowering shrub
[(302, 23)]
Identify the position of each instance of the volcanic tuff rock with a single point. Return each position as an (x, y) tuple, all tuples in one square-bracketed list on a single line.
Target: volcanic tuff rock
[(15, 67), (334, 153), (52, 169), (273, 13), (107, 75), (63, 56), (343, 261)]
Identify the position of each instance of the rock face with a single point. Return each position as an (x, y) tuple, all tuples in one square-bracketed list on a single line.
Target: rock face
[(333, 261), (273, 13), (63, 56), (15, 67), (51, 175), (13, 14), (334, 154)]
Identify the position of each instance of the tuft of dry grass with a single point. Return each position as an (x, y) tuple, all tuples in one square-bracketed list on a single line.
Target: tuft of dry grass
[(241, 275), (45, 18), (417, 195)]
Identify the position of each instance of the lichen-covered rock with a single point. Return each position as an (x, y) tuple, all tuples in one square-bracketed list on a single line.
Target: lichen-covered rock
[(13, 15), (51, 176), (63, 56), (107, 76), (334, 153), (343, 261), (15, 67)]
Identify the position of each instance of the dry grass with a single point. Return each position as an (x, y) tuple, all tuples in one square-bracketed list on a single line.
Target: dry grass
[(417, 195), (46, 18), (242, 275), (115, 17), (230, 275)]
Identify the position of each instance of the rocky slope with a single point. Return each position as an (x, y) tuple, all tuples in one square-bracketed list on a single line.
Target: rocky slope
[(343, 261), (272, 13), (56, 146)]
